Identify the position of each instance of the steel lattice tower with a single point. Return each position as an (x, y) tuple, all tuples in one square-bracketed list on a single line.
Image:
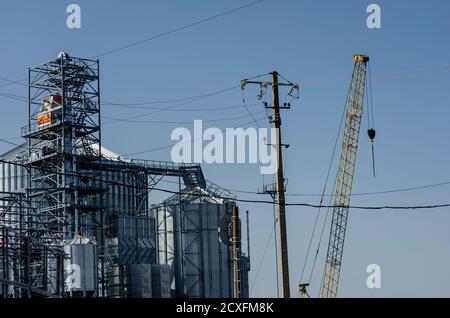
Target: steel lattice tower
[(344, 181), (64, 139)]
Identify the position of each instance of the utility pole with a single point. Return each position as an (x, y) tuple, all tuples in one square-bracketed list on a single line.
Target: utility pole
[(236, 245), (278, 189), (248, 240), (279, 193)]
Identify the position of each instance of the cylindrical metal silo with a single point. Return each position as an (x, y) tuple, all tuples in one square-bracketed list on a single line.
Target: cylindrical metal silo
[(189, 241), (80, 267)]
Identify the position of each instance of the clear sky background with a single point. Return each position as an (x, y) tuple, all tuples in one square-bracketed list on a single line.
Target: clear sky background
[(310, 42)]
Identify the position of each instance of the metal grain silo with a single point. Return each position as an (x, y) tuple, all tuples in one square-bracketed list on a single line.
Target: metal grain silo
[(192, 238), (80, 267)]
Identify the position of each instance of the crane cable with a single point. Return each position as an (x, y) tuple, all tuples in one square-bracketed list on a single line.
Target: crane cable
[(370, 118)]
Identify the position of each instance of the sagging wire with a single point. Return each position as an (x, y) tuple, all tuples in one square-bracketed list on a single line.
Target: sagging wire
[(248, 110), (330, 166), (262, 259), (294, 92), (260, 96)]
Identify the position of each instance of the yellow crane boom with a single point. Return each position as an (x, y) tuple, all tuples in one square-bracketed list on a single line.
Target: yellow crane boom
[(344, 181)]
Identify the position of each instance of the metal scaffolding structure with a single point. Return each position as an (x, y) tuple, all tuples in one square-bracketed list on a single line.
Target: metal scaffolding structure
[(30, 258), (62, 194), (63, 127), (127, 183)]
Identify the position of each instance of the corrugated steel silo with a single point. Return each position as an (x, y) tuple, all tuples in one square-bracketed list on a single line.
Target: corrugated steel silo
[(192, 235)]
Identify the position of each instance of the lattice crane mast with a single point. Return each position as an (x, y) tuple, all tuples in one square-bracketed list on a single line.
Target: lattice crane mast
[(344, 180)]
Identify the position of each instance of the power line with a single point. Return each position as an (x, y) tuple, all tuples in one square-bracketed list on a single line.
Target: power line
[(185, 101), (169, 101), (262, 258), (186, 109), (322, 232), (177, 122), (170, 108), (418, 71), (11, 82), (248, 110), (149, 113), (405, 189), (17, 82), (186, 26), (300, 204), (389, 76), (15, 97), (330, 165), (25, 146), (139, 105), (185, 142), (154, 37), (9, 142)]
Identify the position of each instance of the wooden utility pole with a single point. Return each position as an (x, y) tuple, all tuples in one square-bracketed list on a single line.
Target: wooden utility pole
[(278, 189), (236, 245), (279, 194)]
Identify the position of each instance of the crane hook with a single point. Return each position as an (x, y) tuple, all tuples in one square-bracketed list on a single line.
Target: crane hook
[(371, 132)]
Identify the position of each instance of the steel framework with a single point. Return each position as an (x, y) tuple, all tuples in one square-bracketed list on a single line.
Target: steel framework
[(28, 260), (30, 253), (344, 181), (68, 188), (64, 144)]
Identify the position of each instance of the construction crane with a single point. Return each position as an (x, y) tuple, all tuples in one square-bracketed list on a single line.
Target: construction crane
[(344, 180)]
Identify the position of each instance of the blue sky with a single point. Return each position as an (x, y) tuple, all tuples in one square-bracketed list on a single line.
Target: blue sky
[(310, 42)]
